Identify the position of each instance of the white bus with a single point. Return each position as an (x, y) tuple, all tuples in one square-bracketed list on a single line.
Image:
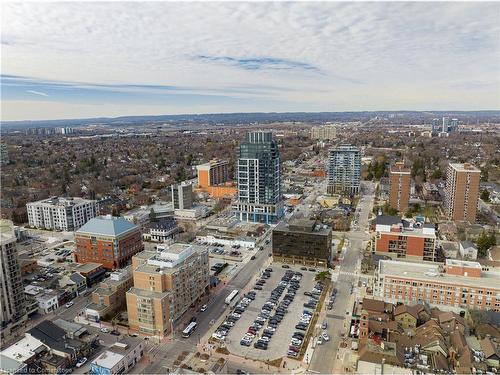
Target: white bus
[(231, 296), (189, 329)]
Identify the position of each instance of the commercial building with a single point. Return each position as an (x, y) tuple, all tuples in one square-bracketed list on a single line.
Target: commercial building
[(259, 179), (120, 358), (182, 196), (399, 187), (302, 242), (166, 283), (59, 213), (13, 309), (110, 241), (324, 133), (344, 170), (404, 240), (457, 284), (109, 297), (162, 230), (462, 192)]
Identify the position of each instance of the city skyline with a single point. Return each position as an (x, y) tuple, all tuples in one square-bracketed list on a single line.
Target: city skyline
[(81, 60)]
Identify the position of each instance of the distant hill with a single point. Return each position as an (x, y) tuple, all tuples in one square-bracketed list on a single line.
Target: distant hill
[(246, 118)]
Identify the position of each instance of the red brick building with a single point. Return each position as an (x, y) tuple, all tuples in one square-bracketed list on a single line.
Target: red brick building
[(401, 239), (110, 241)]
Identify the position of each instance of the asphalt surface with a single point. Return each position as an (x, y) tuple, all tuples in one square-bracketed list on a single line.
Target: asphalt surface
[(162, 356), (324, 355)]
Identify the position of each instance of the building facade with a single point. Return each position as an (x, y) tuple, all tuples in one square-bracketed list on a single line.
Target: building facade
[(213, 178), (324, 133), (182, 196), (302, 242), (162, 230), (120, 358), (457, 284), (166, 284), (213, 173), (462, 192), (59, 213), (403, 240), (399, 187), (344, 170), (259, 179), (109, 297), (12, 306), (110, 241)]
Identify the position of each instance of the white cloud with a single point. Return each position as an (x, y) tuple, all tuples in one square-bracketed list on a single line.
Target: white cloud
[(37, 92), (382, 55)]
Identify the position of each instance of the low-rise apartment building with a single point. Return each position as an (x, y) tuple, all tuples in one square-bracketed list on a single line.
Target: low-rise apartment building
[(457, 285), (109, 297), (166, 283), (303, 242), (404, 240), (110, 241), (59, 213)]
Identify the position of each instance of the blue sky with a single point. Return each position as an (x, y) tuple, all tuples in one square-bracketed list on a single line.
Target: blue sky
[(80, 59)]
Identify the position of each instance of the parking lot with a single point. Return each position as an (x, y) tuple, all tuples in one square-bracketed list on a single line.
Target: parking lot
[(277, 343)]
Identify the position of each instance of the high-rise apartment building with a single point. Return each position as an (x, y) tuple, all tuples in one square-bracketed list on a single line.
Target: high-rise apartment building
[(324, 133), (462, 192), (399, 186), (444, 125), (12, 306), (344, 170), (401, 239), (4, 154), (166, 283), (59, 213), (436, 125), (453, 125), (259, 179), (213, 173), (182, 196), (110, 241)]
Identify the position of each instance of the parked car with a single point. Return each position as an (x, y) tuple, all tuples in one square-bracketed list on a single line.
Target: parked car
[(104, 330), (285, 266), (69, 304), (81, 362), (115, 333), (203, 308)]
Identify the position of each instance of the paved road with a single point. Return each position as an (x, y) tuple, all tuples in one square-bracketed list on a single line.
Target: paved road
[(324, 355), (164, 355)]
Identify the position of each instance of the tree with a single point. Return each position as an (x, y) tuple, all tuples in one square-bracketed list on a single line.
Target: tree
[(485, 195), (322, 276), (484, 242)]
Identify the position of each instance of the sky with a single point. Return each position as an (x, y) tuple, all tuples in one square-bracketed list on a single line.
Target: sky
[(86, 59)]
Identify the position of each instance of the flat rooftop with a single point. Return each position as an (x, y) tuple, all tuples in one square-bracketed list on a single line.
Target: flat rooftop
[(464, 167), (62, 201), (434, 273), (87, 267), (108, 359), (303, 226), (148, 293)]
